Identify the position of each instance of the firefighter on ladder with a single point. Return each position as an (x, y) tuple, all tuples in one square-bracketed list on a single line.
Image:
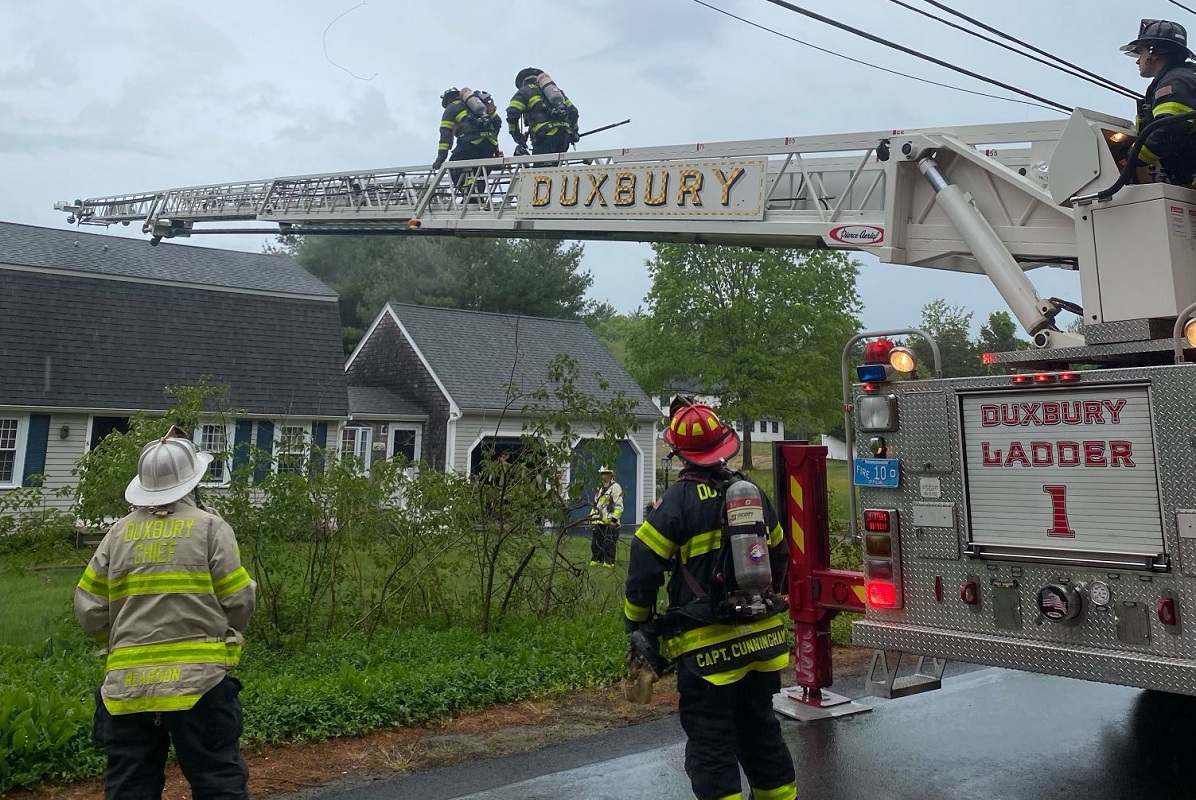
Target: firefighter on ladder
[(550, 116), (166, 599), (727, 670), (1163, 55), (472, 118)]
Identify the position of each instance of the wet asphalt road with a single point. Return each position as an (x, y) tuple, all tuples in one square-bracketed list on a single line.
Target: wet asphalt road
[(987, 733)]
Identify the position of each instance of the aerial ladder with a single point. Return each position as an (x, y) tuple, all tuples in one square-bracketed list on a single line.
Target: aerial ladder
[(1036, 520), (993, 199)]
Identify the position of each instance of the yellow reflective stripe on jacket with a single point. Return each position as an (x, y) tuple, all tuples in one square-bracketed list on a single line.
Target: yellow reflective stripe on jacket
[(178, 702), (786, 792), (160, 583), (153, 655), (702, 543), (231, 583), (1170, 108), (517, 103), (775, 535), (446, 123), (635, 613), (714, 634), (1147, 155), (94, 583), (660, 544), (771, 665)]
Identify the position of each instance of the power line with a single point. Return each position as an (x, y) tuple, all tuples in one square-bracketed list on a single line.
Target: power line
[(1181, 5), (866, 64), (1069, 69), (1038, 50), (872, 38)]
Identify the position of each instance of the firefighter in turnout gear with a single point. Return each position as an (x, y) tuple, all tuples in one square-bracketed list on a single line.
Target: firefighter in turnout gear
[(608, 511), (549, 116), (728, 664), (472, 119), (1163, 55), (166, 599)]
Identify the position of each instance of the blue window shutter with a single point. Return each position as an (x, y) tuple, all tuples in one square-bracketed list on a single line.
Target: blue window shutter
[(242, 442), (35, 447), (319, 438), (265, 442)]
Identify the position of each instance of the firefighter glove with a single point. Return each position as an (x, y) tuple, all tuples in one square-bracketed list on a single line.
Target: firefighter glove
[(574, 137), (521, 149), (440, 157)]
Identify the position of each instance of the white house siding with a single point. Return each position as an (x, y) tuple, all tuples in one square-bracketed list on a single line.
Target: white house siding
[(62, 455), (473, 427)]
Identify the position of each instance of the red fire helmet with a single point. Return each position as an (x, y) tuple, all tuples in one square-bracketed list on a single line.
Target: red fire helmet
[(698, 436)]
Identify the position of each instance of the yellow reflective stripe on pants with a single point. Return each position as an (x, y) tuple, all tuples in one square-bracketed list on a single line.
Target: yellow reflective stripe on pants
[(714, 634), (161, 583), (657, 541), (180, 702), (786, 792), (94, 583), (635, 613), (152, 655), (231, 583)]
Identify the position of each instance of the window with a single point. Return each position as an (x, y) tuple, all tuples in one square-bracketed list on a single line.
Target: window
[(102, 426), (290, 448), (357, 441), (215, 438), (776, 427), (405, 442), (11, 451), (763, 426)]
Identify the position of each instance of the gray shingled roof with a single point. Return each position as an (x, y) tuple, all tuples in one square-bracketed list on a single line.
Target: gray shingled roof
[(472, 353), (367, 401), (70, 340), (116, 256)]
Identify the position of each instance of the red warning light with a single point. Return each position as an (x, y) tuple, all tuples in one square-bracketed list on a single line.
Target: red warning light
[(877, 351), (1021, 377), (877, 521), (988, 358), (1044, 377), (881, 595), (1069, 377)]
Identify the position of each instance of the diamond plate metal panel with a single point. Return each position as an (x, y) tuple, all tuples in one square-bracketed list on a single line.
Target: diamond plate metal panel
[(926, 444), (1089, 649), (1127, 669), (935, 532), (1129, 330), (1094, 352)]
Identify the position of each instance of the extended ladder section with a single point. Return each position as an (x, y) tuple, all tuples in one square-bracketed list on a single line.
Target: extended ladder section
[(975, 199)]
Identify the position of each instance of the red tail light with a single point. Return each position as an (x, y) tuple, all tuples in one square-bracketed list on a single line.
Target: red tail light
[(1044, 377), (1022, 377), (1069, 377), (1167, 611), (877, 521), (881, 595)]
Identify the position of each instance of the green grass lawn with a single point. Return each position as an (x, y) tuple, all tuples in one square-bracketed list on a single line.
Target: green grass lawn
[(30, 603)]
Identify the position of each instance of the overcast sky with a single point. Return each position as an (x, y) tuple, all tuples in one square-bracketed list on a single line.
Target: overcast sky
[(107, 98)]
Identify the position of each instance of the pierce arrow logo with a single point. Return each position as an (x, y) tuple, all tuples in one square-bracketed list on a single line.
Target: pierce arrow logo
[(858, 235)]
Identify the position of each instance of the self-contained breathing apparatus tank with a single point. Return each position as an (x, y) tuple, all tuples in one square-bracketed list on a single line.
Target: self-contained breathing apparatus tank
[(552, 95), (480, 104), (746, 534)]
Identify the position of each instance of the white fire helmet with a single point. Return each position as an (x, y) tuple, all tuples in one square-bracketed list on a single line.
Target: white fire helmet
[(167, 470)]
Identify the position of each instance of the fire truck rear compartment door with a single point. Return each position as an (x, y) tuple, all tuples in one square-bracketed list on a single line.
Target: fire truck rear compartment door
[(1071, 470)]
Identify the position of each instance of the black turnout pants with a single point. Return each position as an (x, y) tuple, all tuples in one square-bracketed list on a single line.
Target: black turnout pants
[(556, 142), (206, 742), (465, 178), (603, 541), (729, 726)]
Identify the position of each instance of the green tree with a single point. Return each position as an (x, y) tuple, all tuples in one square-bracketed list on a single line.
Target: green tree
[(615, 330), (951, 328), (999, 335), (532, 277), (762, 330)]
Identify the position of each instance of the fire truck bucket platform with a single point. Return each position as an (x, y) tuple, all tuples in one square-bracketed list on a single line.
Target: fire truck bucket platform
[(1141, 670)]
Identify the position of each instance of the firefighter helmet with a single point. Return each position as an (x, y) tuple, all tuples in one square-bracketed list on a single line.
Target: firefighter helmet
[(450, 95), (524, 74), (697, 435), (1162, 36), (605, 470), (167, 470)]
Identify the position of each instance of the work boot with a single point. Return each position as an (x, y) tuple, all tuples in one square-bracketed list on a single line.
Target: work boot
[(594, 563)]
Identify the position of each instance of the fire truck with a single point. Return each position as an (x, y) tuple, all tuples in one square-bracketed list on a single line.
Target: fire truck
[(1040, 518)]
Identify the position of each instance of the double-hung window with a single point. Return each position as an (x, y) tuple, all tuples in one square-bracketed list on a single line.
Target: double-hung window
[(291, 444), (216, 438), (12, 451)]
